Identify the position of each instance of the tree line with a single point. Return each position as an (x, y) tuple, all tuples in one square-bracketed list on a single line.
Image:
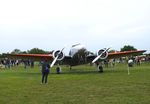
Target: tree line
[(32, 51)]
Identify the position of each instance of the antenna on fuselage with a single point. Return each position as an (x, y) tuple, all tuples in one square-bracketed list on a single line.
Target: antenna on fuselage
[(76, 45)]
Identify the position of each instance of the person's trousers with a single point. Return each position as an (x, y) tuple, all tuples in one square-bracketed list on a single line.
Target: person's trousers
[(44, 77)]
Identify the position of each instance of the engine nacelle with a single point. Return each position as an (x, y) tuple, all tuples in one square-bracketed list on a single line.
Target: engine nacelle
[(104, 54), (60, 54)]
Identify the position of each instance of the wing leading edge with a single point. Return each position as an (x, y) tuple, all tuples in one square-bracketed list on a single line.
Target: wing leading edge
[(35, 57), (124, 54)]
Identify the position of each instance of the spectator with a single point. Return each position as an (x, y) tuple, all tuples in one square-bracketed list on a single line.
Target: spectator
[(45, 71)]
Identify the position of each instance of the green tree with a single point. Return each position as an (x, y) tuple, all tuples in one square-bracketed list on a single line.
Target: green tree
[(111, 51), (128, 48), (37, 51), (16, 51), (23, 52)]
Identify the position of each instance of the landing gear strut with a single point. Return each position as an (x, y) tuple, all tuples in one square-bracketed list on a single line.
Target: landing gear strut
[(100, 68), (58, 69), (70, 67)]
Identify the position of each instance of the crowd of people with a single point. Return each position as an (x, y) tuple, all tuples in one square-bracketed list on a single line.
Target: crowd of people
[(8, 63), (135, 61)]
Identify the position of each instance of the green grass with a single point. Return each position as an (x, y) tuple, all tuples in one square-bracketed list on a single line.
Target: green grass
[(81, 85)]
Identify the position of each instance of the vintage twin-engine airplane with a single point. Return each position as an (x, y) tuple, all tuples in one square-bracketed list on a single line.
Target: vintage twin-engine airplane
[(78, 55)]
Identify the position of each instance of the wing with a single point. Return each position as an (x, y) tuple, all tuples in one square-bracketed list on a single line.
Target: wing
[(118, 54), (35, 57), (124, 54)]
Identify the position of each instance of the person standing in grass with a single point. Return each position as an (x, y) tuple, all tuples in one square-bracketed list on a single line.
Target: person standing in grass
[(45, 71)]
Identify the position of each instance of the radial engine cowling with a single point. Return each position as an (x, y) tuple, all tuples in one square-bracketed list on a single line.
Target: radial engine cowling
[(103, 54), (60, 55)]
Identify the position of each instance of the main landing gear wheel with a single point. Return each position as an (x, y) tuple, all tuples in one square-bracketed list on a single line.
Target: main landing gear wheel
[(100, 68)]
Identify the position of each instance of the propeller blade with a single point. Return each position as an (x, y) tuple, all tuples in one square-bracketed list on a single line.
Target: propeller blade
[(96, 58), (52, 64), (62, 50), (54, 61), (100, 55)]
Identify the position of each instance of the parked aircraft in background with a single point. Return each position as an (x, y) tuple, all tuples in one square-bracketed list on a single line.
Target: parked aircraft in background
[(78, 55)]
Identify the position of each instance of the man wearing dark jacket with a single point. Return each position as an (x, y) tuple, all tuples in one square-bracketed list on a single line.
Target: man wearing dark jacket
[(45, 71)]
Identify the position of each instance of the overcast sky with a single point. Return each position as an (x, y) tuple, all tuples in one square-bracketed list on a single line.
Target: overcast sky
[(53, 24)]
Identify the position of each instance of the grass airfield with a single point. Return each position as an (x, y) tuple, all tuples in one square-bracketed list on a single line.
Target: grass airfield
[(81, 85)]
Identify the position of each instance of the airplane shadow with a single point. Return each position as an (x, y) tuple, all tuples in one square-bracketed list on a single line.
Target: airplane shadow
[(73, 72), (91, 71), (78, 72)]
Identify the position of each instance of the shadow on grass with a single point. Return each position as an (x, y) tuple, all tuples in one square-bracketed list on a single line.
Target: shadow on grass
[(79, 72), (75, 71)]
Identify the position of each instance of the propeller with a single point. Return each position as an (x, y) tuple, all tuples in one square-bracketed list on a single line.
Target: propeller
[(54, 61), (100, 55)]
